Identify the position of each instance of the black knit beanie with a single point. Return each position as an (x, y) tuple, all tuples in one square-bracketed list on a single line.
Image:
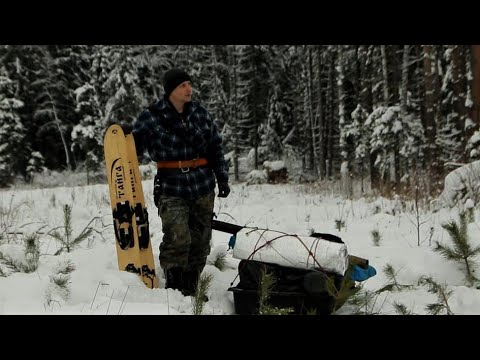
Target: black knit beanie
[(173, 78)]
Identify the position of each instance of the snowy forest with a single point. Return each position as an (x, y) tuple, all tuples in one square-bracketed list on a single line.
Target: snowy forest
[(388, 116)]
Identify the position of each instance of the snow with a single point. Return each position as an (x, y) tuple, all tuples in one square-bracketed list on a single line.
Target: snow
[(274, 165), (461, 185), (475, 137), (96, 286)]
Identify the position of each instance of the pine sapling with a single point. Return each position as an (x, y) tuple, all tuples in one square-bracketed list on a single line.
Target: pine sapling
[(26, 262), (443, 294), (60, 281), (363, 301), (267, 282), (339, 224), (9, 265), (220, 261), (66, 267), (376, 237), (462, 250), (311, 311), (66, 240), (198, 299), (392, 283), (32, 252), (401, 309)]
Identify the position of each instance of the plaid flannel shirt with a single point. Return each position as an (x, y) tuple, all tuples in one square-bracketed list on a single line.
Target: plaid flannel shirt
[(161, 131)]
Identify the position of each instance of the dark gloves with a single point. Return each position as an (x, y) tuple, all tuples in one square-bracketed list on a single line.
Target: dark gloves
[(223, 189), (126, 127), (157, 190)]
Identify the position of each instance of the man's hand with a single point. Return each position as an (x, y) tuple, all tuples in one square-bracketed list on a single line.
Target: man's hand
[(223, 190), (126, 127)]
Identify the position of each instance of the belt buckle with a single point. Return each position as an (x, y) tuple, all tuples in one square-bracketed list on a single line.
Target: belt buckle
[(185, 170)]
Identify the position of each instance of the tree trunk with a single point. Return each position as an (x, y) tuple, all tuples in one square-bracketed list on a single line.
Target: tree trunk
[(64, 141), (321, 135), (459, 97), (367, 102), (386, 95), (341, 113), (234, 120), (311, 133), (429, 115), (404, 83), (475, 53), (331, 107), (403, 115)]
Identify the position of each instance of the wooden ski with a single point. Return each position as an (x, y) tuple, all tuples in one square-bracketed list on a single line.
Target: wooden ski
[(130, 216)]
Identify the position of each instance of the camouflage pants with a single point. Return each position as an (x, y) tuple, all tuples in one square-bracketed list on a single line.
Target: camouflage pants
[(187, 229)]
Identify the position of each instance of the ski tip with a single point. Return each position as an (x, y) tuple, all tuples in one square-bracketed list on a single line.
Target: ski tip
[(115, 129), (112, 131), (120, 128)]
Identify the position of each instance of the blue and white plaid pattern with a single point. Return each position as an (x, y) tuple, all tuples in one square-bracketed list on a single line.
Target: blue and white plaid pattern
[(160, 130)]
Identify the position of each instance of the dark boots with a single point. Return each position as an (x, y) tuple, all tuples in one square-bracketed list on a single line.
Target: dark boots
[(174, 278), (184, 280), (190, 282)]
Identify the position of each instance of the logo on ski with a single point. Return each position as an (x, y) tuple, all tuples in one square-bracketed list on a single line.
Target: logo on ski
[(118, 174)]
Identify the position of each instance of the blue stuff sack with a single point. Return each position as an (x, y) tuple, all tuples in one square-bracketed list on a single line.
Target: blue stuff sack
[(360, 274)]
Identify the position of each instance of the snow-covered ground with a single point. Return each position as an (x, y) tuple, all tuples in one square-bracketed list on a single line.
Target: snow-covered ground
[(96, 286)]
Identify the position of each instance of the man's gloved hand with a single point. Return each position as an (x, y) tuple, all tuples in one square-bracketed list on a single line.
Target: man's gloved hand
[(126, 127), (223, 189), (156, 191)]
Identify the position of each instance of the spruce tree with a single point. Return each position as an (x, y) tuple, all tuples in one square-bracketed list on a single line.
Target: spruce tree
[(12, 131)]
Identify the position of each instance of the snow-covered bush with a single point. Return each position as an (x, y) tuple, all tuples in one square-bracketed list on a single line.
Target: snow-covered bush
[(461, 185), (256, 177)]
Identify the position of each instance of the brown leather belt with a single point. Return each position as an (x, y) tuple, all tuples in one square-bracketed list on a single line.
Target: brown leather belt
[(184, 165)]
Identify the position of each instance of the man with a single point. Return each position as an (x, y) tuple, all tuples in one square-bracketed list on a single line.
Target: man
[(181, 136)]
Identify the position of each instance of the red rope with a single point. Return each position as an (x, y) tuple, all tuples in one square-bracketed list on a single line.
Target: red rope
[(268, 242)]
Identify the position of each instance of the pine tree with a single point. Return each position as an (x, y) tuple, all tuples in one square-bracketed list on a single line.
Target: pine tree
[(463, 250), (125, 98), (453, 98), (86, 142), (393, 136), (111, 95), (278, 134), (62, 70), (252, 96), (443, 294), (151, 63), (23, 64), (357, 133), (12, 131)]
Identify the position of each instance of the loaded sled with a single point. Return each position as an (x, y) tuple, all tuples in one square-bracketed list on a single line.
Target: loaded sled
[(311, 274)]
